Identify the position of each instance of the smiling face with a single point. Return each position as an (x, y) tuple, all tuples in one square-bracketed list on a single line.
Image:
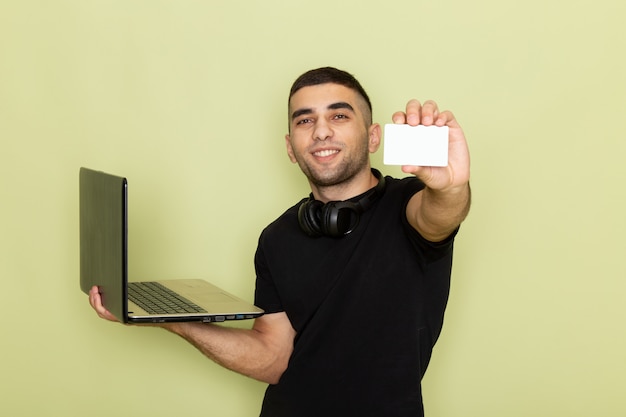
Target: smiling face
[(330, 134)]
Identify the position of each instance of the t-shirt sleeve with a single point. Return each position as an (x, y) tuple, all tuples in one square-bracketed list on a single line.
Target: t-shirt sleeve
[(265, 293)]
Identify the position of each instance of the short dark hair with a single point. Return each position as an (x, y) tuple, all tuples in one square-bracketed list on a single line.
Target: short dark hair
[(332, 75)]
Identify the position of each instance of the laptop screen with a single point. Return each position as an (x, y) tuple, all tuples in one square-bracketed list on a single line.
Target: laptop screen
[(104, 237)]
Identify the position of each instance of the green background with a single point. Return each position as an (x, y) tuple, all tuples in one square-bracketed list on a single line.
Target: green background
[(188, 100)]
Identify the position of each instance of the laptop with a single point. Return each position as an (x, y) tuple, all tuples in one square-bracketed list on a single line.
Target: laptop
[(104, 262)]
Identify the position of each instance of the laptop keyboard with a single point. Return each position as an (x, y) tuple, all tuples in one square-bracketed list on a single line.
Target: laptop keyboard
[(157, 299)]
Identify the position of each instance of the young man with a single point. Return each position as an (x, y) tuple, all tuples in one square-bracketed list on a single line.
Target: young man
[(354, 279)]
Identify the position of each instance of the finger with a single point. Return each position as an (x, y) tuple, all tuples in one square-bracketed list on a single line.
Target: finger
[(413, 112), (107, 315), (446, 118), (430, 112), (424, 173), (95, 299), (92, 296), (399, 117)]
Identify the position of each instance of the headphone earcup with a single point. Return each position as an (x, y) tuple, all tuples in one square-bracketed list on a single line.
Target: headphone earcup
[(327, 212), (338, 218), (309, 217), (329, 220)]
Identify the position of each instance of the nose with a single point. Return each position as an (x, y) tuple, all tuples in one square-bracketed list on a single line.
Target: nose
[(322, 130)]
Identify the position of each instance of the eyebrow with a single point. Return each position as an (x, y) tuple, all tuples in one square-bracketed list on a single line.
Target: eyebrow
[(334, 106)]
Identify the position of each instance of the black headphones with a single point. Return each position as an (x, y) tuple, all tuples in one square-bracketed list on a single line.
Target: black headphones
[(337, 218)]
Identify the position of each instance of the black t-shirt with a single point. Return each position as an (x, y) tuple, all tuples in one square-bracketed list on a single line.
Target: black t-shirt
[(367, 307)]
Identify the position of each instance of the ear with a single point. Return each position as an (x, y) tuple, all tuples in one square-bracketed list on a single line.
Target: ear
[(290, 153), (375, 135)]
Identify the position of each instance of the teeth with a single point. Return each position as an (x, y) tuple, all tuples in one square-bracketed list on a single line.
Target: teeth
[(326, 153)]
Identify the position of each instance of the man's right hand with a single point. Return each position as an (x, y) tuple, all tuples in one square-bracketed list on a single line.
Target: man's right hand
[(95, 299)]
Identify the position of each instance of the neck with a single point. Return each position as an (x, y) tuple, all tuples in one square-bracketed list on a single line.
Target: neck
[(360, 183)]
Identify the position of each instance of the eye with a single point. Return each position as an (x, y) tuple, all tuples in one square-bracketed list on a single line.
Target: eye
[(303, 121), (340, 116)]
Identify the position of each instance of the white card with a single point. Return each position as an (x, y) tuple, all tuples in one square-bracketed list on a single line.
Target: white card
[(416, 145)]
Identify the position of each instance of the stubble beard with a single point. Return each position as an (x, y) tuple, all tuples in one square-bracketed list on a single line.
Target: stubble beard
[(339, 174)]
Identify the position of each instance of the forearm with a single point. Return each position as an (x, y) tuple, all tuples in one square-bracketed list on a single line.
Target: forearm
[(261, 353), (439, 213), (251, 352)]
